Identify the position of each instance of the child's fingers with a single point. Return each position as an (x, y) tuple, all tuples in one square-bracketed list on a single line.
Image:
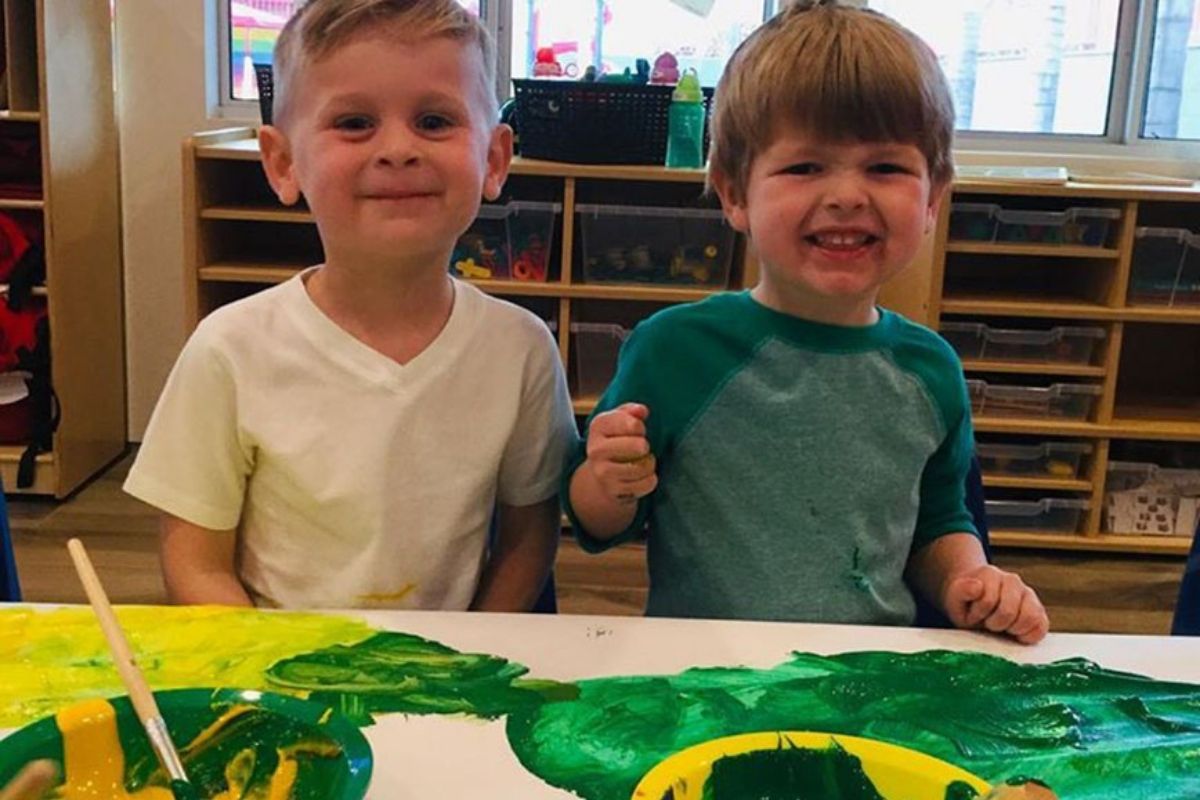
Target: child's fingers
[(619, 449), (632, 491), (32, 782), (983, 607), (618, 422), (1008, 607), (959, 596), (635, 409), (1032, 624)]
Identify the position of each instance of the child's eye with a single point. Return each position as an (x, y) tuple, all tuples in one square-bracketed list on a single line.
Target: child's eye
[(353, 122), (434, 122), (806, 168), (889, 169)]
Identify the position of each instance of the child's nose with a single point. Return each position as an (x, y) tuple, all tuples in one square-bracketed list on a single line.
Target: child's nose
[(845, 192), (398, 146)]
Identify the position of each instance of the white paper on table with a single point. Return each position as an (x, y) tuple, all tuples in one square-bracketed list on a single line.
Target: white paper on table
[(700, 7)]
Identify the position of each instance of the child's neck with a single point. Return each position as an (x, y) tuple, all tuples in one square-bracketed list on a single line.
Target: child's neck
[(851, 312), (396, 311)]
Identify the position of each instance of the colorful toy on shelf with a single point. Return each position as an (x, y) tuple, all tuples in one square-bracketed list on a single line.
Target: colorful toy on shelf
[(666, 70), (467, 268), (546, 64), (530, 262)]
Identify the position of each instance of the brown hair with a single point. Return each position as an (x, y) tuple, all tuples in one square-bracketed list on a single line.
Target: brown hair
[(837, 73), (319, 27)]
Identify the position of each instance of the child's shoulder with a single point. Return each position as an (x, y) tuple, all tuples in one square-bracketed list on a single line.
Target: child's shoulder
[(499, 317), (685, 319), (916, 341), (248, 320)]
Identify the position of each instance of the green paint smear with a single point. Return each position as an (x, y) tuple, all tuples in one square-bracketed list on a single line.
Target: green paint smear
[(399, 672), (791, 774), (1071, 723)]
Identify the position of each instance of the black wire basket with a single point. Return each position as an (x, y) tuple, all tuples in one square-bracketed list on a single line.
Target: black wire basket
[(595, 123)]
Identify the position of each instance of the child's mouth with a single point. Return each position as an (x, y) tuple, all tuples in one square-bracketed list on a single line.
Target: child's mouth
[(841, 242)]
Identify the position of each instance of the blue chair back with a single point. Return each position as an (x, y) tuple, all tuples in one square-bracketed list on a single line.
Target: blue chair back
[(1187, 609), (929, 615), (10, 588)]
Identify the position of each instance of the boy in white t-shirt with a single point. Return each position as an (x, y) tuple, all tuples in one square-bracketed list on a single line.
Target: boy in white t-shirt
[(344, 439)]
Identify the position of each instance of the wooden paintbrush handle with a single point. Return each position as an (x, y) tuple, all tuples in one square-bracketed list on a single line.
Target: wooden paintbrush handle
[(135, 683)]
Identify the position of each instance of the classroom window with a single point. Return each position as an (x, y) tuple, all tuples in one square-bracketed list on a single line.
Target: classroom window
[(1172, 108), (611, 35), (253, 26), (1022, 66)]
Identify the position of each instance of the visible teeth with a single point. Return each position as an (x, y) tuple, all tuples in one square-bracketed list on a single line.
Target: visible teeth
[(842, 239)]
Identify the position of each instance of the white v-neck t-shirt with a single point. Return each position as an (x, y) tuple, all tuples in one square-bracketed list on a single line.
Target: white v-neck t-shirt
[(352, 480)]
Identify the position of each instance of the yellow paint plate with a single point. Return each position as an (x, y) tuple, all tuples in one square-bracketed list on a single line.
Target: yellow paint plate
[(896, 772)]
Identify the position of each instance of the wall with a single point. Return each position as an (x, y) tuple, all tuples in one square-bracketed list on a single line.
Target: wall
[(161, 99)]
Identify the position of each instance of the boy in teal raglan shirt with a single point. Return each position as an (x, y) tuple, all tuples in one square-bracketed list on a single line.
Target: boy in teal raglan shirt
[(799, 453)]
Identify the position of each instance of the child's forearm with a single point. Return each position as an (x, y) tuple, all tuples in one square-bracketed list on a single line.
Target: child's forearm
[(198, 565), (601, 516), (521, 558)]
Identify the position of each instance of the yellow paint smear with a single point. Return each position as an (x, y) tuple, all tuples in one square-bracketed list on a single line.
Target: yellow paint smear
[(51, 658)]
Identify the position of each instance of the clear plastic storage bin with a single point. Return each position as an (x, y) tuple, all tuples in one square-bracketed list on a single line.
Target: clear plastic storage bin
[(1059, 400), (1050, 514), (1166, 267), (1080, 225), (973, 222), (1144, 499), (1060, 345), (1034, 227), (597, 345), (1088, 226), (1046, 460), (637, 244), (507, 242)]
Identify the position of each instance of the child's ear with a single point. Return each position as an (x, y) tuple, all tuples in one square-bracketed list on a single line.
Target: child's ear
[(499, 157), (278, 164), (731, 204), (937, 195)]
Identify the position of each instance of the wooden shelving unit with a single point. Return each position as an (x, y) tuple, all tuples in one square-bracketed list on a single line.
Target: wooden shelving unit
[(1072, 285), (224, 185), (68, 99)]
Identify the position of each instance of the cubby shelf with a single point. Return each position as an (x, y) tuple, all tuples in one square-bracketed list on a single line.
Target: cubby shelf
[(57, 86)]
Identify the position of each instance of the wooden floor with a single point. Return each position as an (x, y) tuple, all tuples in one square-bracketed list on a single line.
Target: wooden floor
[(1082, 592)]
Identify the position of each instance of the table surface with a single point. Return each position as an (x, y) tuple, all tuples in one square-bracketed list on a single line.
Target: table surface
[(454, 756)]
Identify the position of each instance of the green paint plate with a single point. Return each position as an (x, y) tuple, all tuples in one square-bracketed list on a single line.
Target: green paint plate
[(333, 757)]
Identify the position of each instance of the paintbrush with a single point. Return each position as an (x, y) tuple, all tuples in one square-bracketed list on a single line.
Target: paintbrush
[(135, 682)]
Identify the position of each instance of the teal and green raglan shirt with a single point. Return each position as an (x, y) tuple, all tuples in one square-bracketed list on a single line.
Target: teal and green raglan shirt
[(799, 464)]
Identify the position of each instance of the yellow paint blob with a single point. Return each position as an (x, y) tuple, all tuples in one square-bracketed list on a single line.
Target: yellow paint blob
[(95, 760)]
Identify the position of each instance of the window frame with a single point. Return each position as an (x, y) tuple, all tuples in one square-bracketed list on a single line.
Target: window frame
[(1126, 106)]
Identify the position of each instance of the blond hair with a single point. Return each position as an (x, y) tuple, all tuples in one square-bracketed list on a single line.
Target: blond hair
[(319, 27), (838, 74)]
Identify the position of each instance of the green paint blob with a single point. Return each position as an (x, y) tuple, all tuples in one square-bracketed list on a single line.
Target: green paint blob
[(399, 672), (1068, 723), (791, 773)]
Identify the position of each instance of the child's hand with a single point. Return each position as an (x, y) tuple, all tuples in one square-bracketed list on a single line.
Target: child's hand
[(618, 453), (998, 601), (31, 783)]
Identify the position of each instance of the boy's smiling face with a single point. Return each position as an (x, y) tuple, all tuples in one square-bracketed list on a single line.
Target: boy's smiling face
[(832, 222), (389, 142)]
